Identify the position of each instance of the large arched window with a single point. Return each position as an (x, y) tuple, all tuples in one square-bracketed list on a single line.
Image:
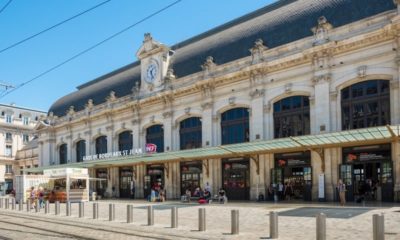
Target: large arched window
[(366, 104), (190, 133), (125, 141), (235, 126), (155, 135), (80, 150), (101, 145), (63, 154), (292, 117)]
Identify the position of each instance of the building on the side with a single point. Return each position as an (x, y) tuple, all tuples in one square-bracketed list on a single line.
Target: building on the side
[(16, 131), (300, 92)]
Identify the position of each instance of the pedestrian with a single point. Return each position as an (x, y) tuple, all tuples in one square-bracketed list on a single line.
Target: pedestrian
[(133, 188), (280, 190), (341, 187)]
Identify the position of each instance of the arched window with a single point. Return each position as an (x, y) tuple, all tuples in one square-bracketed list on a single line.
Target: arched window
[(80, 150), (190, 133), (63, 154), (155, 135), (101, 145), (292, 117), (235, 126), (125, 141), (366, 104)]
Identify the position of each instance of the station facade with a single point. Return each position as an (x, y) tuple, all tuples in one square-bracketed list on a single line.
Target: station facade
[(270, 97)]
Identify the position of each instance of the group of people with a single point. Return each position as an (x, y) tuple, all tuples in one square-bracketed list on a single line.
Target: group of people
[(37, 196), (280, 191), (366, 190), (157, 193), (204, 195)]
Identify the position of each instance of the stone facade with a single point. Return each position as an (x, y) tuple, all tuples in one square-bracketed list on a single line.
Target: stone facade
[(319, 67)]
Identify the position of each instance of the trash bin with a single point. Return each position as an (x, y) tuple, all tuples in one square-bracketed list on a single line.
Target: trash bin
[(94, 196)]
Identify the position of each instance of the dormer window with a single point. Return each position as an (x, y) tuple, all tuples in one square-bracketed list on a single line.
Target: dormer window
[(8, 118), (25, 120)]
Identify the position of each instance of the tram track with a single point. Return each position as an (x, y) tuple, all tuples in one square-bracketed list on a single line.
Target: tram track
[(54, 226)]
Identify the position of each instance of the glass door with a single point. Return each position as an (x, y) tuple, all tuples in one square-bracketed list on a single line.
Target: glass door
[(387, 181), (346, 176), (125, 178)]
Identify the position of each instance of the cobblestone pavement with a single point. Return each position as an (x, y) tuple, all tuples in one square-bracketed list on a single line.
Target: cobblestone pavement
[(352, 222)]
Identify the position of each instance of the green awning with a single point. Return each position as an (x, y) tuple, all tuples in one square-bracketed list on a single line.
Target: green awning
[(336, 139)]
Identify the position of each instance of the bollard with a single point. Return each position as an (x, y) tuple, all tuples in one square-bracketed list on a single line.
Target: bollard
[(13, 203), (202, 219), (129, 214), (150, 215), (57, 208), (321, 226), (47, 207), (235, 222), (273, 225), (28, 205), (111, 212), (95, 210), (20, 206), (37, 207), (1, 202), (81, 209), (7, 202), (174, 217), (68, 208), (378, 227)]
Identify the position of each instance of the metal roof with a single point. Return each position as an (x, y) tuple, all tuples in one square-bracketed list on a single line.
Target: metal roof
[(336, 139)]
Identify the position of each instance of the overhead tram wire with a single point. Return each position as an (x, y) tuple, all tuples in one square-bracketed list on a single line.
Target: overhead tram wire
[(52, 27), (91, 48), (5, 6)]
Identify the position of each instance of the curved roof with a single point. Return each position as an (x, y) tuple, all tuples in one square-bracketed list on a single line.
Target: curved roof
[(280, 23)]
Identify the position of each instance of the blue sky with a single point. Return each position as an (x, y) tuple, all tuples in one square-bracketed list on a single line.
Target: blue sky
[(23, 18)]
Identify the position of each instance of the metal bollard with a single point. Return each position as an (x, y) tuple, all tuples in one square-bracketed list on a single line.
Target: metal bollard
[(47, 207), (202, 219), (28, 205), (129, 214), (57, 208), (13, 203), (174, 217), (273, 225), (321, 226), (81, 209), (7, 202), (37, 207), (150, 215), (68, 208), (111, 212), (378, 227), (235, 222), (1, 202), (20, 206), (95, 210)]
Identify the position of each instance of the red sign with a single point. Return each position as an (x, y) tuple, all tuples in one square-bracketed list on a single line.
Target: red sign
[(151, 148)]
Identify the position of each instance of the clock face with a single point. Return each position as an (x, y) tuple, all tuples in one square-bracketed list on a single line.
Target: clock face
[(151, 73)]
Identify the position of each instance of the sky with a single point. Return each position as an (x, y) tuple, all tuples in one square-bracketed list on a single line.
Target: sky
[(23, 18)]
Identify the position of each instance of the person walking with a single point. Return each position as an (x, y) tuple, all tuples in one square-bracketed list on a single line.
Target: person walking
[(342, 192)]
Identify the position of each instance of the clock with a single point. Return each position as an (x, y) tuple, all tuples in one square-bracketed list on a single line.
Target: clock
[(151, 72)]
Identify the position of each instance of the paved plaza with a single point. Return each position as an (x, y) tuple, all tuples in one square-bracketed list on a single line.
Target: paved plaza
[(296, 221)]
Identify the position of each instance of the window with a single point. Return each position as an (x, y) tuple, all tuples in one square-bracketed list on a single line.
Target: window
[(9, 169), (292, 117), (21, 170), (366, 104), (155, 135), (8, 136), (80, 150), (25, 138), (8, 118), (63, 154), (101, 145), (25, 120), (190, 133), (125, 141), (8, 151), (235, 126)]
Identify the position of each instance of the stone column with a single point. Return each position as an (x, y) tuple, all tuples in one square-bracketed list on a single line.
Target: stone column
[(136, 134), (168, 127), (89, 143), (207, 125), (396, 167), (316, 170), (268, 121), (257, 115), (322, 104), (257, 176), (395, 101), (110, 138)]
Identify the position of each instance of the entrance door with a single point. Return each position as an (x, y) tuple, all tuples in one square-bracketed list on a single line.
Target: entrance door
[(346, 176), (387, 181), (153, 179), (125, 178), (236, 178), (191, 176)]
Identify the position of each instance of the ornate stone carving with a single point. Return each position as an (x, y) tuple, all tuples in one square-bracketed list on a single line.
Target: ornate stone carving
[(209, 64), (136, 89), (257, 51), (206, 105), (322, 78), (215, 118), (321, 31), (135, 121), (167, 114), (152, 119), (111, 97), (123, 125), (207, 90), (333, 95), (71, 111), (257, 93), (232, 100), (187, 111), (88, 133), (267, 107), (288, 87), (362, 71)]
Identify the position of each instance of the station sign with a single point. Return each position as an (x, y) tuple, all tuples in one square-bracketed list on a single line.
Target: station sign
[(149, 148)]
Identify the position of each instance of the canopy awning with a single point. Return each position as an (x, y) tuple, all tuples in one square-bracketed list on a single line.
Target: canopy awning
[(374, 135)]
